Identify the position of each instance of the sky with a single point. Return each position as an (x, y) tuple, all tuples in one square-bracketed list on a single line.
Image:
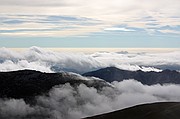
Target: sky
[(90, 23)]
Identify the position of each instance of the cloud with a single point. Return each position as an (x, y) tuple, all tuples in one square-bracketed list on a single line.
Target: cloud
[(50, 61), (67, 102), (15, 108), (170, 31), (133, 13), (118, 29), (33, 3), (51, 25)]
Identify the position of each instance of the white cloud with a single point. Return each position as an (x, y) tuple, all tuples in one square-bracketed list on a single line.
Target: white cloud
[(118, 29), (49, 61)]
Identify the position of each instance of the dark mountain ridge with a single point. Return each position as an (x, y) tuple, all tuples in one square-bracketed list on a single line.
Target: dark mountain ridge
[(111, 74), (162, 110), (28, 83)]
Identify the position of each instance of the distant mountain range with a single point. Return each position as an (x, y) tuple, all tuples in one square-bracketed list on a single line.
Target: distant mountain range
[(111, 74), (163, 110)]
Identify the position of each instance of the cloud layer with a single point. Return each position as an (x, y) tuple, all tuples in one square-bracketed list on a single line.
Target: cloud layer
[(67, 102), (146, 15), (51, 61)]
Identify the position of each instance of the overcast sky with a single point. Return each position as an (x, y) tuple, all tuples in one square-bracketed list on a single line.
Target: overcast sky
[(90, 23)]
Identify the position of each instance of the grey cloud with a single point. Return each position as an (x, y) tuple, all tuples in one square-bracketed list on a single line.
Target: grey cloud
[(14, 108), (87, 101), (67, 102)]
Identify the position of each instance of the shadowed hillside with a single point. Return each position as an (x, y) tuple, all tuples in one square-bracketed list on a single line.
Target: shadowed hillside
[(29, 83), (165, 110)]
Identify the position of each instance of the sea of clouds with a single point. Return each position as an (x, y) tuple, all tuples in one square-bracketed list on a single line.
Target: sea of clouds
[(67, 102), (50, 61)]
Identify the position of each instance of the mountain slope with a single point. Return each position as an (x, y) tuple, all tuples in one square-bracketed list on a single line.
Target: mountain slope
[(165, 110), (111, 74), (29, 83)]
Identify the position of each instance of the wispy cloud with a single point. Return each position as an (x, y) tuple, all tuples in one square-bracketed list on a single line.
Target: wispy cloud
[(118, 29), (93, 15), (47, 25), (170, 31)]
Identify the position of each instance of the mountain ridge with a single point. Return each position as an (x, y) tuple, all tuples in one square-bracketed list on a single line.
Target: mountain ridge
[(111, 74), (30, 83), (158, 110)]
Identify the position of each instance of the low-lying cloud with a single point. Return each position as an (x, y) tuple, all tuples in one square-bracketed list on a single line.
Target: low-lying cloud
[(49, 61), (67, 102)]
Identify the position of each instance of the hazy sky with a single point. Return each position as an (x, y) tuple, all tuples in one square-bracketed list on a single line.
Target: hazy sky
[(90, 23)]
